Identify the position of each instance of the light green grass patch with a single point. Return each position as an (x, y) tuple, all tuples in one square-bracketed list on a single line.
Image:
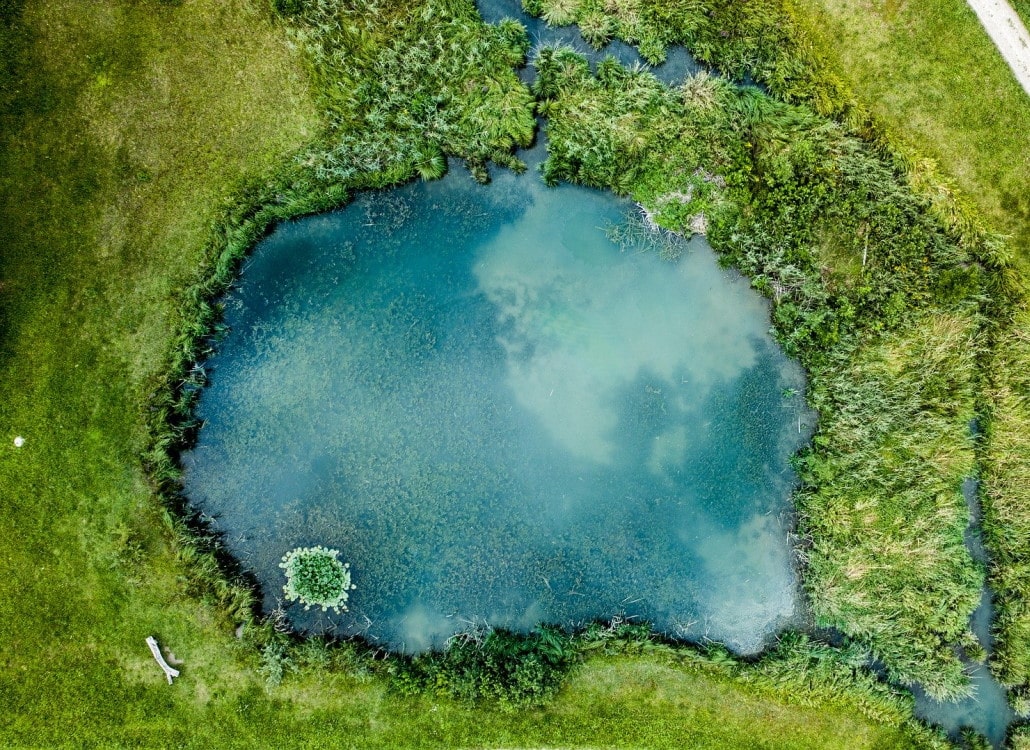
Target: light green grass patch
[(929, 71)]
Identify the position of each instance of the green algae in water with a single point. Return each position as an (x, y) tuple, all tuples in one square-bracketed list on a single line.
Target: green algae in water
[(499, 416)]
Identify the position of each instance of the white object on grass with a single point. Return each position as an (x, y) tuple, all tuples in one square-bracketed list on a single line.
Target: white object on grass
[(169, 671), (19, 441)]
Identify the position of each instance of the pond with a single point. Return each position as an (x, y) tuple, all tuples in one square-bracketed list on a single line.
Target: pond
[(501, 415)]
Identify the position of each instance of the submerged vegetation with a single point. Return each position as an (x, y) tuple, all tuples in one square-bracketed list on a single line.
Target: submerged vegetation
[(880, 304), (882, 290)]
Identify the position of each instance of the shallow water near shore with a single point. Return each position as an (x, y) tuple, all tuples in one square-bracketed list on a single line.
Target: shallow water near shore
[(498, 415), (987, 709)]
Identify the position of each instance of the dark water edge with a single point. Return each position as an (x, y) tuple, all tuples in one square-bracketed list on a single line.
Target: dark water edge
[(541, 425)]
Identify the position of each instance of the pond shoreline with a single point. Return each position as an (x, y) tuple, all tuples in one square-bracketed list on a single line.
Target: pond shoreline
[(588, 361), (184, 428), (103, 244)]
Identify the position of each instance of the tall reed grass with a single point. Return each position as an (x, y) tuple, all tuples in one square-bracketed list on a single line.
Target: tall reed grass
[(882, 303), (1007, 502)]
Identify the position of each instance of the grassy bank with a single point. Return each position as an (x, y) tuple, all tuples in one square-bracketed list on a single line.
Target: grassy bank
[(129, 130), (125, 129), (932, 75), (637, 700)]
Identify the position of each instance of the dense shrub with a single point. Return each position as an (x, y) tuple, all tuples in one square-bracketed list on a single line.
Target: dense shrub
[(510, 669)]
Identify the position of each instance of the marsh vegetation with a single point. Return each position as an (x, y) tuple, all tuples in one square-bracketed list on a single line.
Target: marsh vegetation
[(869, 259)]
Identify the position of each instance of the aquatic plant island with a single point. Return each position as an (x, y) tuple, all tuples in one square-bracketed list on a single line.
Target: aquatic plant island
[(316, 576), (555, 373)]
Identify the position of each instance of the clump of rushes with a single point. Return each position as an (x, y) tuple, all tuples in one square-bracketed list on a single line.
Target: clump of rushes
[(597, 29), (444, 84), (315, 576)]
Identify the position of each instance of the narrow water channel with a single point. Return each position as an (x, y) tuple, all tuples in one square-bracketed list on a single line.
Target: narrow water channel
[(987, 710), (678, 63)]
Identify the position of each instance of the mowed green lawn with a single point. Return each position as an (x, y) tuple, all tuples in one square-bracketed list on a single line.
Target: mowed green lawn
[(125, 127), (929, 71)]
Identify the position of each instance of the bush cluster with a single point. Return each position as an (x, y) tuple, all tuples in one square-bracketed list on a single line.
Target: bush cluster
[(513, 670)]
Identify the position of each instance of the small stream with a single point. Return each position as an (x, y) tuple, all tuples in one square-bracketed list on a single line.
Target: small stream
[(987, 710), (678, 63)]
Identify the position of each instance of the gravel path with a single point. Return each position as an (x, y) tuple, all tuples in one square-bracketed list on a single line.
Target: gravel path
[(1008, 34)]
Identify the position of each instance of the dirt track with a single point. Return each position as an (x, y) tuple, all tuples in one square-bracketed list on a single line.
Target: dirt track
[(1008, 34)]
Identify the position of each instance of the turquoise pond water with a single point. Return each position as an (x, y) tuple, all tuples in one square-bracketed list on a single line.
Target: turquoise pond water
[(500, 415)]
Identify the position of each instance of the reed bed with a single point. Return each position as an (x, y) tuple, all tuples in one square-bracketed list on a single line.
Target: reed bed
[(882, 302), (1007, 504)]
